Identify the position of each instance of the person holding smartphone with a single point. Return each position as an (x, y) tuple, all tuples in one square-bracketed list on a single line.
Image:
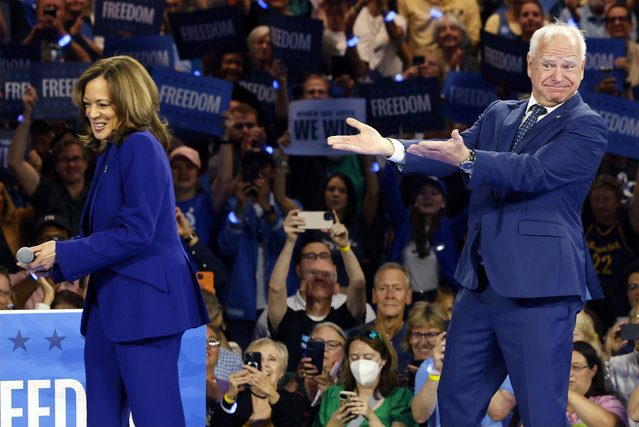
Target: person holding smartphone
[(253, 395), (370, 375)]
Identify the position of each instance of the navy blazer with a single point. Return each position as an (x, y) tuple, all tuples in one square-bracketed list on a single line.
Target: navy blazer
[(140, 275), (525, 207)]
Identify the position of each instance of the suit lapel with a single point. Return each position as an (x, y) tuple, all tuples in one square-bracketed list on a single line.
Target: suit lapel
[(553, 119), (87, 214), (510, 126)]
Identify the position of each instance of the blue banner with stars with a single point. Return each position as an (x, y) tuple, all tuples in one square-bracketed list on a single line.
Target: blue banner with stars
[(414, 104), (192, 102), (128, 17), (467, 96), (296, 41), (42, 380), (622, 118), (150, 51), (54, 83)]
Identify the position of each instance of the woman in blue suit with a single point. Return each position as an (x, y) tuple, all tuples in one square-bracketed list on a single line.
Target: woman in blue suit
[(142, 292)]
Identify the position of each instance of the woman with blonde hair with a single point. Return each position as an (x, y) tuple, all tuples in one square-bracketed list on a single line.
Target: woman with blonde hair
[(253, 396), (585, 331), (142, 294)]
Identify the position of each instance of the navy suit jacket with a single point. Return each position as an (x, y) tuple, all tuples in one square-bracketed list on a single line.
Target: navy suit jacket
[(525, 207), (140, 275)]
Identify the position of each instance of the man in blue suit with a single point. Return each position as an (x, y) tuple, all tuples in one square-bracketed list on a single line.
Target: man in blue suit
[(525, 268)]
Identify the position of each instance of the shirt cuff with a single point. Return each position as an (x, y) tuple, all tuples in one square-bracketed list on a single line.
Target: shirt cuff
[(42, 306), (399, 155)]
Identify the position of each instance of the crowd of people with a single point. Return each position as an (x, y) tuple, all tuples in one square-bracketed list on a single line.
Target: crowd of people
[(374, 290)]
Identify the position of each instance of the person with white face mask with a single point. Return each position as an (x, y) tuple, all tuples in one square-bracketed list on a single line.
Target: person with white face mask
[(370, 375)]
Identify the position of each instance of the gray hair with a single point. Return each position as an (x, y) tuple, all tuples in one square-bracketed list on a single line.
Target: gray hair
[(453, 19), (331, 325), (282, 351), (395, 266), (555, 29)]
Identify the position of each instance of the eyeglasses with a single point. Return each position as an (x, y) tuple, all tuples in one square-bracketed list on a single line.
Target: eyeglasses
[(5, 293), (74, 159), (213, 342), (578, 368), (320, 273), (617, 18), (332, 345), (633, 286), (416, 336), (312, 256)]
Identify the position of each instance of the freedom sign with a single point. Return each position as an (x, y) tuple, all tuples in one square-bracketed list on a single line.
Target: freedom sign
[(260, 83), (601, 54), (192, 102), (622, 118), (311, 121), (14, 83), (414, 104), (467, 96), (54, 83), (42, 380), (150, 51), (296, 41), (219, 29), (138, 17), (504, 61), (18, 55)]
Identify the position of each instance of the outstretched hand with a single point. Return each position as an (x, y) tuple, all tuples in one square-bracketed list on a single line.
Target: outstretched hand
[(452, 151), (367, 141)]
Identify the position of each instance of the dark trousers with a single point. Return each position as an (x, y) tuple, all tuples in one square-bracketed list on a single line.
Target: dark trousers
[(491, 336), (136, 376)]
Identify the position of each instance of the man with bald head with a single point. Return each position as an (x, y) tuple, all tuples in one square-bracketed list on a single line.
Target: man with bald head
[(525, 269)]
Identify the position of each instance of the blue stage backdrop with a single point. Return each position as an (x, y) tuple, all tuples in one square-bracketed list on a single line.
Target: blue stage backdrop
[(42, 370)]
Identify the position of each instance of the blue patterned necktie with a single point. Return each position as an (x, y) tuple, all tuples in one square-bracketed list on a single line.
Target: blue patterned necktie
[(537, 110)]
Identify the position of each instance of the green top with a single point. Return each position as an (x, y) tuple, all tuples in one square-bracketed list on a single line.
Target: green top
[(395, 407)]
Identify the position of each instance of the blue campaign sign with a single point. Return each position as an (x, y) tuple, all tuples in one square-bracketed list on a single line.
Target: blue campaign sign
[(296, 41), (138, 17), (151, 51), (54, 83), (467, 96), (414, 104), (219, 29), (42, 381), (260, 83), (191, 102), (311, 121), (601, 55), (504, 61), (14, 82), (18, 55), (5, 140), (622, 117)]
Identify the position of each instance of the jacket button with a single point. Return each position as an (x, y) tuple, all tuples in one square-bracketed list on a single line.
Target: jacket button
[(477, 226), (493, 194)]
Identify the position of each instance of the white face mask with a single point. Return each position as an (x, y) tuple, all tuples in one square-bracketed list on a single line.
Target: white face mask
[(365, 371)]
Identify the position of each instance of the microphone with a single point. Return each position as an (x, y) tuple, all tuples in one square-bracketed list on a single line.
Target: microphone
[(25, 255)]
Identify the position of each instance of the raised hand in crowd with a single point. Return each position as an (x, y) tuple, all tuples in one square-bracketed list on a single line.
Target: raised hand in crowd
[(613, 342)]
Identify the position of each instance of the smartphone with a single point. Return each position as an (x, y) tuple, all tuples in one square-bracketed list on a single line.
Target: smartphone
[(317, 220), (251, 172), (50, 10), (607, 72), (344, 396), (314, 350), (205, 279), (418, 60), (253, 359), (630, 331)]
